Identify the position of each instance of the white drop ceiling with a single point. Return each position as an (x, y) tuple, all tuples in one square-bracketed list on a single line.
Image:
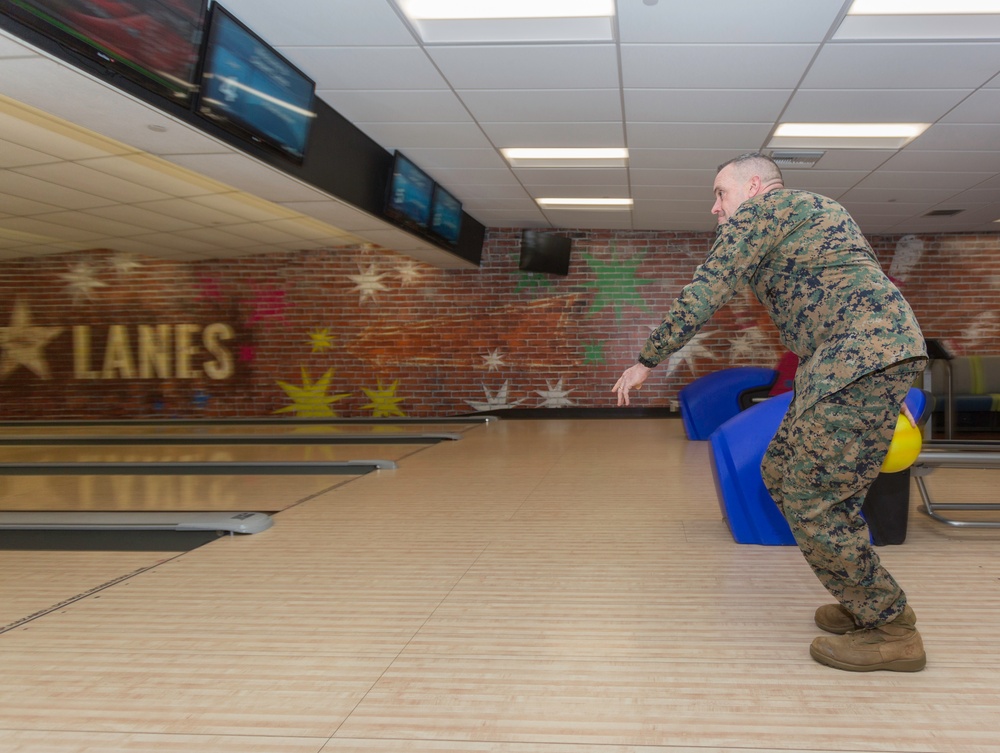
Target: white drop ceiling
[(684, 86)]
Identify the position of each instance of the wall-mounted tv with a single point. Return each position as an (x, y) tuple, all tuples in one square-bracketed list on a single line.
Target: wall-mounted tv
[(154, 43), (409, 194), (446, 215), (249, 89), (545, 252)]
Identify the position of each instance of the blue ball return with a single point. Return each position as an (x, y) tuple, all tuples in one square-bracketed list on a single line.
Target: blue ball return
[(737, 448), (711, 400)]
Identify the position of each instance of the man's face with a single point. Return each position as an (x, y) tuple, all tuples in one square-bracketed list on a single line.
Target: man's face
[(730, 191)]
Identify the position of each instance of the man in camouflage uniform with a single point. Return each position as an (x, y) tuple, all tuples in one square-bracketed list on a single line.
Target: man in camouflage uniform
[(860, 349)]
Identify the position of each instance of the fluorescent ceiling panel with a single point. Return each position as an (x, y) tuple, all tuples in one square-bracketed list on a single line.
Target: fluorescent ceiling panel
[(921, 19), (922, 7), (565, 157), (845, 135), (578, 203), (484, 21)]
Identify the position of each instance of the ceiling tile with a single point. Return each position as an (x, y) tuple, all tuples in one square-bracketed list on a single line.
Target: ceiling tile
[(902, 66), (693, 106), (34, 189), (529, 66), (15, 155), (661, 66), (93, 223), (741, 137), (141, 217), (366, 68), (556, 134), (871, 105), (16, 204), (154, 173), (933, 162), (77, 176), (982, 106), (238, 171), (429, 135), (306, 22), (581, 177), (955, 137), (700, 179), (442, 160), (543, 105), (336, 214)]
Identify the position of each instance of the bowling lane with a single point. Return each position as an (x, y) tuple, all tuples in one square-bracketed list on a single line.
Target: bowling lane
[(188, 492), (255, 431)]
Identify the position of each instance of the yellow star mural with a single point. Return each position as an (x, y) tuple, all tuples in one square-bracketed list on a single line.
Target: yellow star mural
[(310, 400), (384, 402), (321, 340), (22, 343)]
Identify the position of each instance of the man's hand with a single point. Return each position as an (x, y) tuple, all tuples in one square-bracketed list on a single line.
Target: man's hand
[(631, 379)]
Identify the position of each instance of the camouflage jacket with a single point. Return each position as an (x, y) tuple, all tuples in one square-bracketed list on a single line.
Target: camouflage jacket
[(812, 269)]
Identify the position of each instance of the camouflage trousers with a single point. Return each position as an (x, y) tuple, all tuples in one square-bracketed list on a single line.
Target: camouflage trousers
[(818, 469)]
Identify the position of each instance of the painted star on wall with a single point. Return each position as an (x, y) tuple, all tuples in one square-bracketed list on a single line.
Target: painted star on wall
[(493, 360), (82, 282), (533, 280), (593, 352), (499, 401), (321, 340), (750, 346), (310, 399), (384, 402), (616, 284), (409, 272), (555, 396), (22, 343), (124, 263), (368, 282), (686, 355)]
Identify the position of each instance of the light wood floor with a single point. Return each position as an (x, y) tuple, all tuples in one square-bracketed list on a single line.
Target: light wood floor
[(560, 586)]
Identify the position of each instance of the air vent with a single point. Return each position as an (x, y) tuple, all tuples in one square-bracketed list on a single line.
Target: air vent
[(797, 159), (943, 212)]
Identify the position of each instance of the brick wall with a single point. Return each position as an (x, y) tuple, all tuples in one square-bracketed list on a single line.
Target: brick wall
[(355, 332)]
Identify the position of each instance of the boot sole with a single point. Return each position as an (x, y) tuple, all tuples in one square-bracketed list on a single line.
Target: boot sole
[(836, 630), (900, 665)]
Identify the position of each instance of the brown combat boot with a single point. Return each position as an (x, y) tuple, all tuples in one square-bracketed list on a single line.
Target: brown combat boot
[(834, 618), (895, 646)]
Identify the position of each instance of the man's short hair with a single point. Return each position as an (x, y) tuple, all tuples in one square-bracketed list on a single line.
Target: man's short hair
[(755, 163)]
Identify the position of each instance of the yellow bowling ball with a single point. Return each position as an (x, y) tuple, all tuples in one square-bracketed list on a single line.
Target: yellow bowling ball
[(906, 443)]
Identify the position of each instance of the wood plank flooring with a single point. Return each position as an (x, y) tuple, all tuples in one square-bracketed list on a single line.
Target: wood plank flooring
[(551, 586)]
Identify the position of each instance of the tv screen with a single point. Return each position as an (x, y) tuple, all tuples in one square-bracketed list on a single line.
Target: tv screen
[(545, 252), (408, 198), (153, 42), (446, 215), (250, 89)]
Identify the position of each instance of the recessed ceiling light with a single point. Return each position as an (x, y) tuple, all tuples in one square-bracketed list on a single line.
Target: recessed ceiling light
[(583, 157), (438, 10), (569, 203), (922, 7), (846, 135)]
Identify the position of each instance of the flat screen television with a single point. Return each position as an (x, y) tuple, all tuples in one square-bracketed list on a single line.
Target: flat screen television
[(545, 252), (154, 43), (446, 215), (409, 194), (249, 89)]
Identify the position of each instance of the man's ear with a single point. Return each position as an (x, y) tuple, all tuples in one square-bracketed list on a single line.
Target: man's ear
[(753, 186)]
